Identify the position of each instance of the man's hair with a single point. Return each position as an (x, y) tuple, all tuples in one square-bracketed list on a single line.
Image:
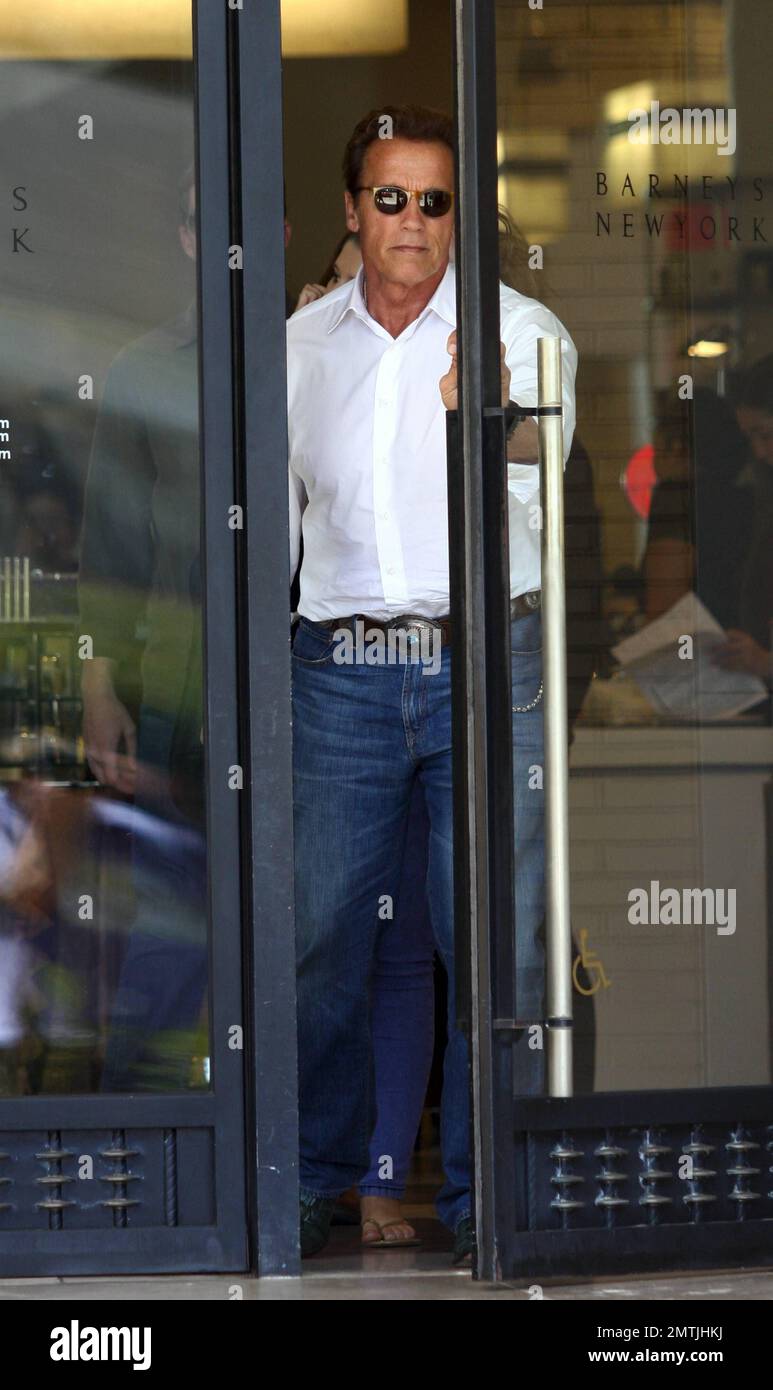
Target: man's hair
[(396, 123)]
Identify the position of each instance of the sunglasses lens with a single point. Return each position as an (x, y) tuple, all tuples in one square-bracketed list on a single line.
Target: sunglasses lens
[(436, 202), (390, 200)]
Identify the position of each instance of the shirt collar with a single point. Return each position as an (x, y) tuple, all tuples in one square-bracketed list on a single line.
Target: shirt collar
[(442, 303), (352, 302), (443, 300)]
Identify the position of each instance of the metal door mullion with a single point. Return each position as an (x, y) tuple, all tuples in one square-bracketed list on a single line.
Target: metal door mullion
[(265, 625), (543, 1114), (165, 1245), (133, 1250), (479, 580), (103, 1111), (218, 583)]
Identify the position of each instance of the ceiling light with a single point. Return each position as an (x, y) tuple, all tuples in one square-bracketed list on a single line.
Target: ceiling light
[(124, 29), (708, 347)]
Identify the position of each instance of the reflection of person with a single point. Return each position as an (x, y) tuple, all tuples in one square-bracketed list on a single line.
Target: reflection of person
[(749, 644), (140, 541), (139, 603), (369, 382)]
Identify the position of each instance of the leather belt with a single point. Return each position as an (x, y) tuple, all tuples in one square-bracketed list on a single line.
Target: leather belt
[(411, 623), (520, 607)]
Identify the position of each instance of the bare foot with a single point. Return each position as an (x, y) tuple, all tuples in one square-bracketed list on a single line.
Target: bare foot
[(382, 1219)]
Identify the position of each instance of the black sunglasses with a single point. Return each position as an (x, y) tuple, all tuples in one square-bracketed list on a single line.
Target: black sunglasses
[(434, 202)]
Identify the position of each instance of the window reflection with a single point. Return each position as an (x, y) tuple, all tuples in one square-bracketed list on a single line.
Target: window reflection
[(103, 928), (651, 245)]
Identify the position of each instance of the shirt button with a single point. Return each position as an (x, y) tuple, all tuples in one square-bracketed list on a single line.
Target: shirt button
[(390, 569), (385, 516)]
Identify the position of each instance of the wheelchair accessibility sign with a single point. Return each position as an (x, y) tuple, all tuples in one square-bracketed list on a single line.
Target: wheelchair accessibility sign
[(589, 962)]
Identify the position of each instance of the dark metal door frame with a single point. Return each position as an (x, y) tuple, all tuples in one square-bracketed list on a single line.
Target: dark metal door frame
[(562, 1186), (483, 779), (264, 623), (218, 1187)]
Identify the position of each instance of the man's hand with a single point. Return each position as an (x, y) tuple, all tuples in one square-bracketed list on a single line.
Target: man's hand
[(449, 384), (106, 723)]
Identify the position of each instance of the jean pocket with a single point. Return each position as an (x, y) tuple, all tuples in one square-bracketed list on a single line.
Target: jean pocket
[(526, 635), (313, 645), (526, 680)]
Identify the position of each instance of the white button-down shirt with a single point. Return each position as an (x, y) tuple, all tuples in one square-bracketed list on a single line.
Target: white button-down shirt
[(367, 437)]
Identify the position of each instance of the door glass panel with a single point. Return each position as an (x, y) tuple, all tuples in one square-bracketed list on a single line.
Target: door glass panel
[(103, 878), (635, 177)]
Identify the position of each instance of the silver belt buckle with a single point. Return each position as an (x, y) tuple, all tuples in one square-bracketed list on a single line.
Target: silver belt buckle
[(525, 603), (414, 628)]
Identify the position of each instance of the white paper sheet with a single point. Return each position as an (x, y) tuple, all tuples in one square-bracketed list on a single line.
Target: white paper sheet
[(680, 684)]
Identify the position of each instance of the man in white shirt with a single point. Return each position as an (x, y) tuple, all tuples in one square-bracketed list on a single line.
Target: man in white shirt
[(371, 373)]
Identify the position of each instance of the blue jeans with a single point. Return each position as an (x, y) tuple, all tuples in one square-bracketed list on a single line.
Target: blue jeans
[(402, 1016), (362, 735)]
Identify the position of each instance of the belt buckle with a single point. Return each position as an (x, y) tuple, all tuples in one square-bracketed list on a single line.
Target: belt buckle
[(414, 628), (524, 604)]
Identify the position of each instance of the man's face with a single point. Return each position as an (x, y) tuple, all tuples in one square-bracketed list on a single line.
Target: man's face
[(406, 248), (757, 425)]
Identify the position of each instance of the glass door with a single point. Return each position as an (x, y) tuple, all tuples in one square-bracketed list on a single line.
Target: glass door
[(615, 164), (123, 1028)]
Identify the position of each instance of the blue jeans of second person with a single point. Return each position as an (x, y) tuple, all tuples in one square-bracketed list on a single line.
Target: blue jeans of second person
[(362, 735)]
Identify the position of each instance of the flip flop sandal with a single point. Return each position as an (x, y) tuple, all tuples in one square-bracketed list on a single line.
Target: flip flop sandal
[(387, 1244)]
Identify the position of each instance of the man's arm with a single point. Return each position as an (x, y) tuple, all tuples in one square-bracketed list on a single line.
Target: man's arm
[(298, 501), (116, 568), (116, 554), (520, 338), (523, 443)]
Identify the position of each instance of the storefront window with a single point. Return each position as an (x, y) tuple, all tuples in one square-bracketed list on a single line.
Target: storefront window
[(103, 880), (635, 169)]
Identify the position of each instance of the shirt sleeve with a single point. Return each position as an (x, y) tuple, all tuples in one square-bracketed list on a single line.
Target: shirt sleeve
[(521, 329), (298, 502), (297, 489)]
